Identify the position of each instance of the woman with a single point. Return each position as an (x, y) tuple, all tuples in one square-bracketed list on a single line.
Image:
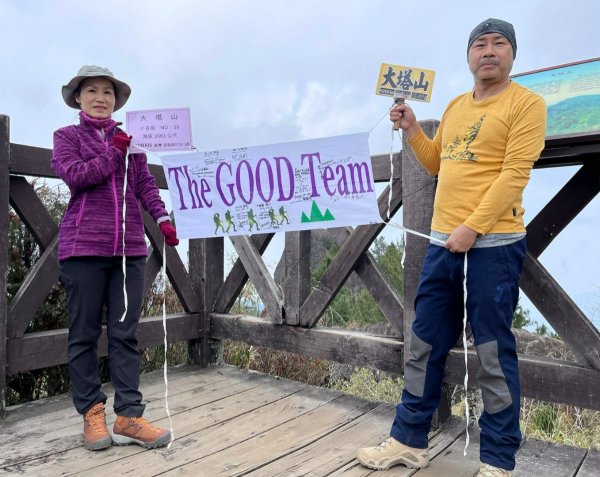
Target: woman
[(90, 159)]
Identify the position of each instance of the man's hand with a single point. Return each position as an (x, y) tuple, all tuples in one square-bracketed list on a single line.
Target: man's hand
[(461, 239), (408, 121)]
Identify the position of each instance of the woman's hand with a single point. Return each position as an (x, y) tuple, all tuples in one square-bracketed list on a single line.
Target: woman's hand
[(122, 141), (167, 229)]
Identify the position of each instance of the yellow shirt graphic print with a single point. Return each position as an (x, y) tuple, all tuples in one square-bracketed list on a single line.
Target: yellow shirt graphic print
[(458, 150)]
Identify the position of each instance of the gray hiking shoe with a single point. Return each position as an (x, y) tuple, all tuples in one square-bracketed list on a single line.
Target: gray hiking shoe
[(487, 470), (391, 452)]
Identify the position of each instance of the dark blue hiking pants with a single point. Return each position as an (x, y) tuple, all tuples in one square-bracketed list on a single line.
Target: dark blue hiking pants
[(92, 283), (492, 292)]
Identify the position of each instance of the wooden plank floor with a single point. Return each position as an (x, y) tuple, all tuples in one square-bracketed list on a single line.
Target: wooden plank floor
[(232, 422)]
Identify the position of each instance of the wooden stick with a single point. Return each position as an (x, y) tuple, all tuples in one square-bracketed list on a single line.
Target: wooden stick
[(396, 125)]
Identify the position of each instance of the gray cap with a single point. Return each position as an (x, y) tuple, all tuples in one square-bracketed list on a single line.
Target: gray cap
[(493, 25), (122, 90)]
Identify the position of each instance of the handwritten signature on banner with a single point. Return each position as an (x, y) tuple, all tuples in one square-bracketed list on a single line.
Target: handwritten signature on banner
[(302, 185)]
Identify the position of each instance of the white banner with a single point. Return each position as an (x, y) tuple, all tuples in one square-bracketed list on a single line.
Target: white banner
[(302, 185)]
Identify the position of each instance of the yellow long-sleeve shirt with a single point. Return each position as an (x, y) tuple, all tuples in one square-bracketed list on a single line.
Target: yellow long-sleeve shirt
[(483, 153)]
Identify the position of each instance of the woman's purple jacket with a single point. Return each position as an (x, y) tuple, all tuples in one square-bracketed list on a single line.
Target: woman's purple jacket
[(94, 171)]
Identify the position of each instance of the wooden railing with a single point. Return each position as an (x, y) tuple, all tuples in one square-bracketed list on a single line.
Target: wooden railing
[(293, 312)]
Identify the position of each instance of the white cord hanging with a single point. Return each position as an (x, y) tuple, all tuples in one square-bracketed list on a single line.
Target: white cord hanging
[(466, 382), (391, 184), (124, 263), (164, 309), (403, 248), (414, 232)]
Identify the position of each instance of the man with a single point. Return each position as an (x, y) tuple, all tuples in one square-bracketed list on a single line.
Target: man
[(482, 153)]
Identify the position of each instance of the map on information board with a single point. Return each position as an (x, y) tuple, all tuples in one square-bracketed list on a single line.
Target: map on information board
[(572, 94)]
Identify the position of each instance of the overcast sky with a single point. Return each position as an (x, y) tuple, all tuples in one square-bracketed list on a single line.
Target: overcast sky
[(261, 72)]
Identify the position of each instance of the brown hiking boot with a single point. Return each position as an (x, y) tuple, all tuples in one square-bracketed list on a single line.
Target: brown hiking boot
[(136, 430), (95, 432)]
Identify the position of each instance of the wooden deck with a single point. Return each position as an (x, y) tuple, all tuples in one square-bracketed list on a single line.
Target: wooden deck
[(231, 422)]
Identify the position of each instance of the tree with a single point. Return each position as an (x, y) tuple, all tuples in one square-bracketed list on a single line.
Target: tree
[(521, 318), (357, 308), (389, 258)]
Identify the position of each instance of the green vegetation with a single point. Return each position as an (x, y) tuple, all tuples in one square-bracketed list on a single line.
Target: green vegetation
[(355, 309), (521, 318), (560, 423), (574, 115), (371, 385), (308, 370)]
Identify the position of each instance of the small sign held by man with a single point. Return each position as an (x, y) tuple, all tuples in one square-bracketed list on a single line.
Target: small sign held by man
[(405, 82)]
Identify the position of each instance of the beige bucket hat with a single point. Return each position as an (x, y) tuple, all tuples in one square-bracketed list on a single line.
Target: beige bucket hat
[(122, 90)]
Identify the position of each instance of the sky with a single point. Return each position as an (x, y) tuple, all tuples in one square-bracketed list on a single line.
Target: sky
[(274, 71)]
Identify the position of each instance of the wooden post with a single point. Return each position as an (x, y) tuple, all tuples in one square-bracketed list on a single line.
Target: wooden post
[(418, 192), (296, 284), (206, 259), (4, 203)]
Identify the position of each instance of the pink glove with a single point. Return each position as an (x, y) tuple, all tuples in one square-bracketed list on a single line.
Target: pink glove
[(121, 141), (169, 232)]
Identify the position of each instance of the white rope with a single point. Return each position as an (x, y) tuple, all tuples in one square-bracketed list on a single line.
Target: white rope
[(466, 382), (414, 232), (124, 263), (403, 248), (391, 158), (382, 118), (391, 184), (164, 278)]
